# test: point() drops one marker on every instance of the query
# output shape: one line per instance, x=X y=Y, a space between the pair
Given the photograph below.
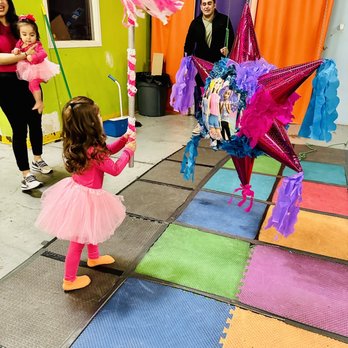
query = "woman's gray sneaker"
x=41 y=167
x=30 y=182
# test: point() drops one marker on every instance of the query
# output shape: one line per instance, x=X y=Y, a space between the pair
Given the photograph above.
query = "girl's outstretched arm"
x=119 y=144
x=115 y=167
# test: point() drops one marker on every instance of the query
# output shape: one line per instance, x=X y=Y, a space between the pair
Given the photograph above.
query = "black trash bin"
x=152 y=93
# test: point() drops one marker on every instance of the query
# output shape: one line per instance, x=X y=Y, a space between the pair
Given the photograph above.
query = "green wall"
x=86 y=69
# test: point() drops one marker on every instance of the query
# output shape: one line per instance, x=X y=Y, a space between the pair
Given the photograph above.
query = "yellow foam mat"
x=250 y=330
x=315 y=233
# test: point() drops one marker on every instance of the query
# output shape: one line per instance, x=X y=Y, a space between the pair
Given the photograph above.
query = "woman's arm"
x=10 y=58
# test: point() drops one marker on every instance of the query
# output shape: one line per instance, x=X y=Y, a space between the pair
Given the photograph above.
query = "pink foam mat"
x=298 y=287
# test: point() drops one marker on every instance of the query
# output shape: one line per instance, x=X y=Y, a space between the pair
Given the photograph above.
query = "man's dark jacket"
x=196 y=45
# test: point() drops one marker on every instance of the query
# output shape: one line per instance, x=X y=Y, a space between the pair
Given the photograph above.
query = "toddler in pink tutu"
x=77 y=208
x=36 y=68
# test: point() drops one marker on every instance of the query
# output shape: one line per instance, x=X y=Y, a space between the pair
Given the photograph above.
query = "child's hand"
x=29 y=57
x=132 y=145
x=130 y=135
x=31 y=50
x=16 y=51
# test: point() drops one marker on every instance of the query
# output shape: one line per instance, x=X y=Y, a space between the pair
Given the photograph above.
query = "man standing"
x=207 y=32
x=206 y=39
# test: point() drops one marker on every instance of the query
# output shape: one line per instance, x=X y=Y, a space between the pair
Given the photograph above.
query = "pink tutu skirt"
x=80 y=214
x=43 y=71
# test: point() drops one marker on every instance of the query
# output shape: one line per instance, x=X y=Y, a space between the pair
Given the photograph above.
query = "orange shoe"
x=79 y=283
x=101 y=260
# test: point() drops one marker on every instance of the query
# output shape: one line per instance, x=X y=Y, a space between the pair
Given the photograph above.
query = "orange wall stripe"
x=293 y=32
x=169 y=39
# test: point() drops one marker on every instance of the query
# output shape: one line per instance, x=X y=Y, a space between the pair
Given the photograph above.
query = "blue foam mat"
x=146 y=314
x=211 y=210
x=227 y=181
x=322 y=172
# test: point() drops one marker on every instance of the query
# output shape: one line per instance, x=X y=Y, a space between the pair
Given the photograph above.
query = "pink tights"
x=73 y=257
x=34 y=85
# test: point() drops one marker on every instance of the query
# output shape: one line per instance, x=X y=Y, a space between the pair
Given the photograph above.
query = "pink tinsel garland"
x=160 y=9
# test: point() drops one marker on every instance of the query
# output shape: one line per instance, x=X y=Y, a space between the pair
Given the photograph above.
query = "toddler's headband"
x=28 y=17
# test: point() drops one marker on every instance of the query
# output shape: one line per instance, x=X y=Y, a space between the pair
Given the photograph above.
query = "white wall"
x=336 y=48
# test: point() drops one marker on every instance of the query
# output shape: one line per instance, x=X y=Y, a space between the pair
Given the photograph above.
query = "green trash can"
x=152 y=92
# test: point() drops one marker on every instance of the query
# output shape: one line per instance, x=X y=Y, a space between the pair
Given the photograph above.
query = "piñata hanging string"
x=227 y=36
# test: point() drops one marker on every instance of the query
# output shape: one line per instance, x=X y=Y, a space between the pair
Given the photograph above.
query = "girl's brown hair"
x=83 y=134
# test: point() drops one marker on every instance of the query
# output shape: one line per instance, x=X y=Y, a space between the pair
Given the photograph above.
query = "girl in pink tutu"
x=36 y=68
x=77 y=208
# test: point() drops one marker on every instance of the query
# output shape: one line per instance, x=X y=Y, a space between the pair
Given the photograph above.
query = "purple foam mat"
x=298 y=287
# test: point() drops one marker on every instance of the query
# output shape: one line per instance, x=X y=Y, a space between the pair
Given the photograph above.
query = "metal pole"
x=131 y=99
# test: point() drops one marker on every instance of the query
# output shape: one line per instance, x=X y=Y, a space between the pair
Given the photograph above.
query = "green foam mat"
x=262 y=164
x=199 y=260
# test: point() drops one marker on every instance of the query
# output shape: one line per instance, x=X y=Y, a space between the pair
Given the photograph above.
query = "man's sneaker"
x=30 y=182
x=41 y=166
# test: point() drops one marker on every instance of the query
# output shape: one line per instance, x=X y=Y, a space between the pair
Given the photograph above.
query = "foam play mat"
x=323 y=198
x=262 y=164
x=246 y=329
x=316 y=233
x=211 y=211
x=198 y=260
x=194 y=269
x=146 y=314
x=227 y=181
x=321 y=172
x=298 y=287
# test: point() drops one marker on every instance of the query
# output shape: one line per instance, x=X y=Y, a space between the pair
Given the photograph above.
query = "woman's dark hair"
x=28 y=21
x=83 y=134
x=12 y=18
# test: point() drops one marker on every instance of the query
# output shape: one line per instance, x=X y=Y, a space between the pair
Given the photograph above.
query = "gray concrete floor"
x=158 y=138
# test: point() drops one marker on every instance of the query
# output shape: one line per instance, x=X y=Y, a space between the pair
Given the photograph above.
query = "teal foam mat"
x=322 y=172
x=227 y=181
